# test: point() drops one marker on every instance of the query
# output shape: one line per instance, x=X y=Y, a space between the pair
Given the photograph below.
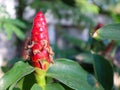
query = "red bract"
x=99 y=25
x=41 y=52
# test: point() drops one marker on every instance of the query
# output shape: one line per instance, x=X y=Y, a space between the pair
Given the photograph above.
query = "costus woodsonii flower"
x=40 y=52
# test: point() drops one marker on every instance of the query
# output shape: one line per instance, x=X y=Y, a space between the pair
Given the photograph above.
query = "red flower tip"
x=41 y=52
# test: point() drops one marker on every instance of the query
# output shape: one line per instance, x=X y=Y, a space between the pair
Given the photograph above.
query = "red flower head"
x=41 y=52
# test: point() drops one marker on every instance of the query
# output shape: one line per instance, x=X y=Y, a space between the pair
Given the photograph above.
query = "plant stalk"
x=40 y=77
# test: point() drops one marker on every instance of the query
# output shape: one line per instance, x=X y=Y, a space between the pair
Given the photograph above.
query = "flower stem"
x=40 y=77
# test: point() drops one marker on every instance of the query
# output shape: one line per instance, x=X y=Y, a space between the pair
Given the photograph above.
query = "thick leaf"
x=103 y=71
x=72 y=75
x=36 y=87
x=111 y=31
x=19 y=70
x=54 y=86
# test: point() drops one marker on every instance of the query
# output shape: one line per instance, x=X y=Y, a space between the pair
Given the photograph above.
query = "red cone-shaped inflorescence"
x=41 y=53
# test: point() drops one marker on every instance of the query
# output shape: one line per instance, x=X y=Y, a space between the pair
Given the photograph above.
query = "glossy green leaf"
x=103 y=71
x=111 y=31
x=72 y=75
x=36 y=87
x=54 y=86
x=19 y=70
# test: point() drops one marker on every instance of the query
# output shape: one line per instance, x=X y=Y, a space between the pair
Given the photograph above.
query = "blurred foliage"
x=64 y=9
x=10 y=26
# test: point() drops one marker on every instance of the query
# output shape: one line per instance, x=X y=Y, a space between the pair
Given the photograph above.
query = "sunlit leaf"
x=85 y=6
x=19 y=70
x=111 y=31
x=72 y=75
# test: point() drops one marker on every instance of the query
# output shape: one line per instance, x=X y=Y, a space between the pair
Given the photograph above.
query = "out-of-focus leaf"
x=8 y=31
x=86 y=6
x=116 y=17
x=111 y=31
x=79 y=43
x=16 y=22
x=19 y=70
x=54 y=86
x=36 y=87
x=72 y=75
x=70 y=2
x=18 y=33
x=103 y=71
x=85 y=57
x=1 y=26
x=11 y=26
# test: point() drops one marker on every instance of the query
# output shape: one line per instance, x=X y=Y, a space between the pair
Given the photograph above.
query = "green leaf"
x=15 y=89
x=20 y=83
x=17 y=22
x=18 y=32
x=111 y=31
x=54 y=86
x=19 y=70
x=8 y=31
x=28 y=82
x=36 y=87
x=1 y=26
x=72 y=75
x=85 y=6
x=85 y=57
x=103 y=71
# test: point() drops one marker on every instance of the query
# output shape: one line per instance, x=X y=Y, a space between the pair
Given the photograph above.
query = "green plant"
x=64 y=73
x=11 y=26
